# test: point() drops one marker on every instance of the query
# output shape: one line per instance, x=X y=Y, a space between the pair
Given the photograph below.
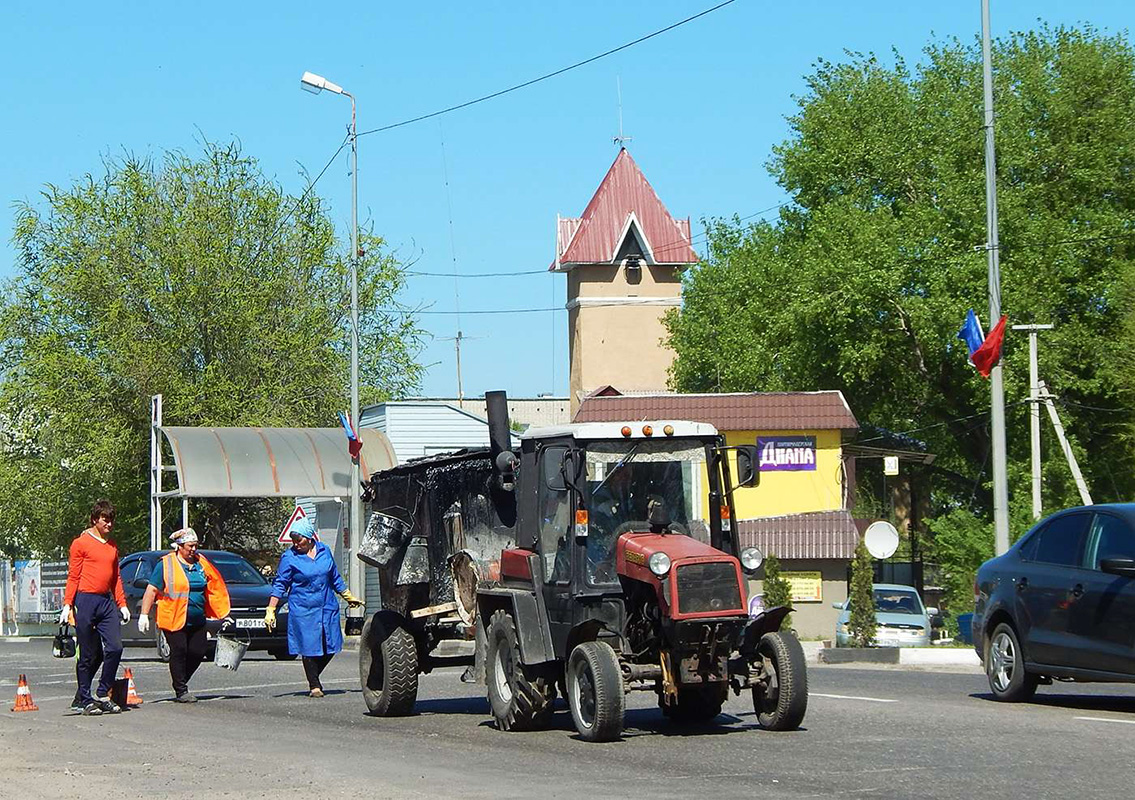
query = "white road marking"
x=1106 y=719
x=851 y=697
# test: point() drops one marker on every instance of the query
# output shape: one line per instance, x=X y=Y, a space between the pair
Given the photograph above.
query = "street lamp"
x=315 y=84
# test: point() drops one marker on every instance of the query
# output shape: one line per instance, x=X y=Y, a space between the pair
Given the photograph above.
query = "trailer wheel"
x=521 y=696
x=781 y=698
x=388 y=666
x=595 y=692
x=696 y=703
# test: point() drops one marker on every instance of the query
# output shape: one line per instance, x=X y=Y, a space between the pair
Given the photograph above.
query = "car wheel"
x=1005 y=667
x=283 y=655
x=163 y=645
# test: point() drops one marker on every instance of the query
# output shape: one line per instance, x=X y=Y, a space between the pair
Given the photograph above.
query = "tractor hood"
x=637 y=548
x=702 y=581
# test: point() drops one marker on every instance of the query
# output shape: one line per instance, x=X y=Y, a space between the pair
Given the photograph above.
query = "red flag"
x=987 y=356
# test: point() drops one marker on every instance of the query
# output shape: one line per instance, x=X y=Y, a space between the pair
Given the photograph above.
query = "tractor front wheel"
x=780 y=693
x=595 y=692
x=520 y=696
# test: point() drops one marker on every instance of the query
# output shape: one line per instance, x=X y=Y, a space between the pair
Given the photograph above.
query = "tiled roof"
x=818 y=534
x=594 y=237
x=752 y=411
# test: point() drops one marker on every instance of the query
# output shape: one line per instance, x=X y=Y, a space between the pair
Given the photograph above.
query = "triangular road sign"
x=286 y=534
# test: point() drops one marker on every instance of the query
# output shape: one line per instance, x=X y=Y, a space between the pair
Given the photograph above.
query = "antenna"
x=620 y=140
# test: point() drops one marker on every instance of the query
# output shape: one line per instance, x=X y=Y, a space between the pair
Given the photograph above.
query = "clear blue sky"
x=704 y=104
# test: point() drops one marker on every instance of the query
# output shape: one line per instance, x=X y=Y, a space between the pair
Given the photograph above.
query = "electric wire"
x=548 y=75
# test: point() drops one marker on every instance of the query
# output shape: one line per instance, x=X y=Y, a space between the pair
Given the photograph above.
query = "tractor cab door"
x=555 y=506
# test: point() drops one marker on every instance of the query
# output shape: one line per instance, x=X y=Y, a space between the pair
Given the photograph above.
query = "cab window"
x=554 y=506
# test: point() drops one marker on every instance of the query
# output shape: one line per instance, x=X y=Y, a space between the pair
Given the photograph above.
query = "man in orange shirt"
x=94 y=593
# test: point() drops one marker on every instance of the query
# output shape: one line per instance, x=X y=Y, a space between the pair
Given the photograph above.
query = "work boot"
x=185 y=697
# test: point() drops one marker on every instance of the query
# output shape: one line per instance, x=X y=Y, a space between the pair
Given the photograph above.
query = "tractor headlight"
x=659 y=564
x=751 y=559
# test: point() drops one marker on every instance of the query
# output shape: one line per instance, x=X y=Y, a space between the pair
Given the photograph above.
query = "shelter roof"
x=625 y=200
x=271 y=462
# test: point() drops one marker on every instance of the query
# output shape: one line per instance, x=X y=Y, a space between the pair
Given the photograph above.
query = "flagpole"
x=997 y=390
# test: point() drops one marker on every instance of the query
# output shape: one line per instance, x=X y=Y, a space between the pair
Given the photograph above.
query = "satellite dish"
x=882 y=539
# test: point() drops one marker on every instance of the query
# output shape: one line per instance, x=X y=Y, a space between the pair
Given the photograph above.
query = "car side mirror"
x=931 y=611
x=1124 y=567
x=747 y=472
x=838 y=605
x=140 y=583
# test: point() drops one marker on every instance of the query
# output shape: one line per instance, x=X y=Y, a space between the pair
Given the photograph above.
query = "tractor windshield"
x=623 y=477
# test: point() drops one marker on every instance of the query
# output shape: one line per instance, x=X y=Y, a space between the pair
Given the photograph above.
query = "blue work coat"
x=310 y=584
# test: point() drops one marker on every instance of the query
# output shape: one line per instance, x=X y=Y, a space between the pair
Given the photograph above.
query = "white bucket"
x=230 y=651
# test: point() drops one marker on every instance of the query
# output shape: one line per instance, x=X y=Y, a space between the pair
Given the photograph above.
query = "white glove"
x=143 y=623
x=125 y=612
x=65 y=615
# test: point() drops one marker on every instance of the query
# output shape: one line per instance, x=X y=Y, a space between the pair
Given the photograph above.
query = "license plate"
x=250 y=623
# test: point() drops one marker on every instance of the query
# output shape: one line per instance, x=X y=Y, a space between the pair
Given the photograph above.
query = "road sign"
x=286 y=533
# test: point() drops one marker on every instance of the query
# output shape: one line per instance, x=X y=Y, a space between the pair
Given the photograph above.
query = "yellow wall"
x=789 y=492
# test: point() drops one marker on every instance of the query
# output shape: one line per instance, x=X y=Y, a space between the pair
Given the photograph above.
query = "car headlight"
x=751 y=559
x=282 y=609
x=659 y=564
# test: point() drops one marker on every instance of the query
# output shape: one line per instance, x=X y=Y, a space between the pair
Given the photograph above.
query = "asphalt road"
x=883 y=732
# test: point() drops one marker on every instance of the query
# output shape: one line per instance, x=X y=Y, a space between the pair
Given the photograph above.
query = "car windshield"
x=623 y=477
x=235 y=570
x=897 y=601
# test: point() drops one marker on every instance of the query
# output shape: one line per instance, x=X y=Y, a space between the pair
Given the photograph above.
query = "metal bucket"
x=384 y=536
x=230 y=651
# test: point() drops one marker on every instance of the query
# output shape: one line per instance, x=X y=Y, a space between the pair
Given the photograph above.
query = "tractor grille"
x=708 y=587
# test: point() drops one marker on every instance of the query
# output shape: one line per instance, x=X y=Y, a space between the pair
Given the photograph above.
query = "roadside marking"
x=1106 y=719
x=851 y=697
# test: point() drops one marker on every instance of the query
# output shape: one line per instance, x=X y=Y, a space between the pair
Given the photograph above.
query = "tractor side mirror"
x=748 y=473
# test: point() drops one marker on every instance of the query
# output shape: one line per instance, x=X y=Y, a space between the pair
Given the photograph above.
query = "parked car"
x=248 y=594
x=902 y=620
x=1060 y=603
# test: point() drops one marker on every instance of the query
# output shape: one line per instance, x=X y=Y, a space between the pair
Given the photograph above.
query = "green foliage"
x=777 y=590
x=961 y=543
x=196 y=278
x=863 y=282
x=861 y=623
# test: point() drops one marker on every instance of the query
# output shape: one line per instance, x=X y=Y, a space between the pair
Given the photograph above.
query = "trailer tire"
x=781 y=702
x=595 y=692
x=521 y=697
x=696 y=703
x=388 y=666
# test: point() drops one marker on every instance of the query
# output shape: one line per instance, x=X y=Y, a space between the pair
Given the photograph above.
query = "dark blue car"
x=1060 y=603
x=248 y=594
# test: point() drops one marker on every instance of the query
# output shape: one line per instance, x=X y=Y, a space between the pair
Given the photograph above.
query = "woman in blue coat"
x=310 y=580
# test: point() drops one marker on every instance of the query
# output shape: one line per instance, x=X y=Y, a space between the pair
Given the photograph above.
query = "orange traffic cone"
x=132 y=696
x=24 y=700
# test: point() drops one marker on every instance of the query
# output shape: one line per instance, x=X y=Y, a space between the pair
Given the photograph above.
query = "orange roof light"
x=626 y=430
x=668 y=430
x=647 y=430
x=581 y=516
x=725 y=512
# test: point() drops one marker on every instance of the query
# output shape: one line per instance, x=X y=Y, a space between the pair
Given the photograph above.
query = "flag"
x=987 y=356
x=971 y=333
x=354 y=444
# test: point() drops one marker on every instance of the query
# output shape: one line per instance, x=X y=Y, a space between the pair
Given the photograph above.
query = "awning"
x=271 y=462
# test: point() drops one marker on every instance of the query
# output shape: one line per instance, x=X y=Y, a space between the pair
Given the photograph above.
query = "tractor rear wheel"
x=780 y=698
x=520 y=696
x=595 y=692
x=696 y=703
x=388 y=666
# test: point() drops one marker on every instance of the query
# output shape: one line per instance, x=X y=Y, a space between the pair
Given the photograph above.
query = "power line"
x=545 y=77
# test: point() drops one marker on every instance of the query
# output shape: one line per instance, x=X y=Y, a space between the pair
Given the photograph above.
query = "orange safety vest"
x=173 y=601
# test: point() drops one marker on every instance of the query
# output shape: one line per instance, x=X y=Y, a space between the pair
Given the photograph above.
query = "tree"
x=962 y=542
x=193 y=277
x=863 y=281
x=776 y=589
x=861 y=623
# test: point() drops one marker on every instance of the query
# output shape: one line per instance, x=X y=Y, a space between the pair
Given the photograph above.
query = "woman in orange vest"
x=188 y=589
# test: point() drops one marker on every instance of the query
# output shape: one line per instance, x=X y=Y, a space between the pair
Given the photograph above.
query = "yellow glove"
x=270 y=619
x=352 y=601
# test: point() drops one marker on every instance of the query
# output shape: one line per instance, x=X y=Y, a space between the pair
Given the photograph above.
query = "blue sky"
x=704 y=104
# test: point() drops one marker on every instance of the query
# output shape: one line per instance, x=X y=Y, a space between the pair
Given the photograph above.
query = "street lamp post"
x=315 y=84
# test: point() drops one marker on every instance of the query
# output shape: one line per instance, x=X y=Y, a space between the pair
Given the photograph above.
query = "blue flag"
x=971 y=333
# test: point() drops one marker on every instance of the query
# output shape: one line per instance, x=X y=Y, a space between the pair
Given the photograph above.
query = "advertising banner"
x=787 y=453
x=806 y=587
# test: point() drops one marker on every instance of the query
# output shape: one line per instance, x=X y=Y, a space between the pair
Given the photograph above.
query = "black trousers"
x=186 y=652
x=97 y=624
x=313 y=666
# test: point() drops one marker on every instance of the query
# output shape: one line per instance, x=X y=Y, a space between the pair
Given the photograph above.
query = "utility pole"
x=992 y=247
x=1073 y=465
x=1034 y=410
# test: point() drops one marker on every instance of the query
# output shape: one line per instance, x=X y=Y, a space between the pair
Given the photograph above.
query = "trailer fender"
x=527 y=612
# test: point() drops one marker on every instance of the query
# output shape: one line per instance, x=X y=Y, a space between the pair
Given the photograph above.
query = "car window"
x=235 y=570
x=897 y=601
x=1110 y=537
x=1060 y=540
x=128 y=570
